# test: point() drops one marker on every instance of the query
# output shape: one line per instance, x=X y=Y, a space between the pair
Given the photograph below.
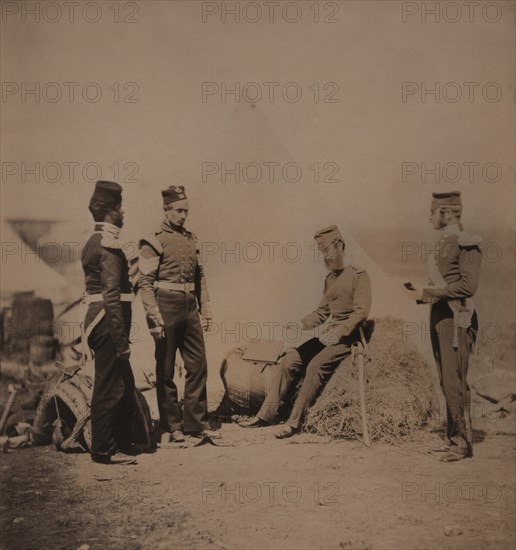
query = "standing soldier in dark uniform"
x=107 y=324
x=173 y=290
x=453 y=271
x=345 y=304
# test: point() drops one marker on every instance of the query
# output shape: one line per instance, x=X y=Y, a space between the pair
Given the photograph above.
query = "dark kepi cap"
x=328 y=235
x=107 y=192
x=451 y=198
x=173 y=193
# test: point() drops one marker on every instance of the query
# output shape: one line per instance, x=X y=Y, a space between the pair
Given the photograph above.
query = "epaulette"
x=153 y=241
x=466 y=240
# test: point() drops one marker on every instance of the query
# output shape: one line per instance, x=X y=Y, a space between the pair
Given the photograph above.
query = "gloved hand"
x=330 y=335
x=206 y=323
x=158 y=333
x=292 y=327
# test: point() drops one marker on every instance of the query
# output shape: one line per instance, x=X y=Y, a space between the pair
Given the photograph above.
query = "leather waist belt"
x=90 y=298
x=182 y=287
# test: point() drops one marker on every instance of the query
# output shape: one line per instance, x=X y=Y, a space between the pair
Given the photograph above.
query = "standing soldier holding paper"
x=174 y=293
x=453 y=271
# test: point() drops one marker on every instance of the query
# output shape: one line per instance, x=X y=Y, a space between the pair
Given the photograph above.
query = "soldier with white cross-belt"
x=106 y=328
x=175 y=296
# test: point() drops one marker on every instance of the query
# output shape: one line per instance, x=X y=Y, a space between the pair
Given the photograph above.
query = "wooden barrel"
x=17 y=343
x=42 y=317
x=245 y=381
x=31 y=321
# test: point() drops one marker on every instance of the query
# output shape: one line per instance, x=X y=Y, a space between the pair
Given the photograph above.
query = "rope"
x=69 y=442
x=63 y=373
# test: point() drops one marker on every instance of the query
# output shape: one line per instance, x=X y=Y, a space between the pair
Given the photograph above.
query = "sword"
x=361 y=350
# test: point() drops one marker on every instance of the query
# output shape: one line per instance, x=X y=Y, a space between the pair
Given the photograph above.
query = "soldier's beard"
x=332 y=264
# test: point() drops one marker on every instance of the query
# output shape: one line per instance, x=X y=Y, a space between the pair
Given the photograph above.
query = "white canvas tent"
x=22 y=270
x=257 y=238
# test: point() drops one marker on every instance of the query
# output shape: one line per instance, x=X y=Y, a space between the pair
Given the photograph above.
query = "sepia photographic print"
x=257 y=275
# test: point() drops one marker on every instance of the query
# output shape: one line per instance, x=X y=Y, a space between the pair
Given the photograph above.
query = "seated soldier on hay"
x=345 y=305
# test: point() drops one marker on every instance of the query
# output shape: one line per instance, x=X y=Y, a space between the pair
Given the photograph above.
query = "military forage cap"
x=328 y=235
x=173 y=193
x=452 y=198
x=107 y=192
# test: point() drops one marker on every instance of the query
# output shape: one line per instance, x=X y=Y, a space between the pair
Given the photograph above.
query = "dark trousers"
x=452 y=366
x=113 y=401
x=319 y=361
x=183 y=332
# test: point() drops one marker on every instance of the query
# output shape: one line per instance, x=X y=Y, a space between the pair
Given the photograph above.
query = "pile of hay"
x=399 y=391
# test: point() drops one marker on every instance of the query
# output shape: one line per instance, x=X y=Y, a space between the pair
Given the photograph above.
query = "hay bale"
x=399 y=391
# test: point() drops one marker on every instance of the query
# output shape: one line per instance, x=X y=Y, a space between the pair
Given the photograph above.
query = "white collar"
x=452 y=229
x=105 y=227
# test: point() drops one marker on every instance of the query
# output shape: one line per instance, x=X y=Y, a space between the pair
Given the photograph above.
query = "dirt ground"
x=252 y=491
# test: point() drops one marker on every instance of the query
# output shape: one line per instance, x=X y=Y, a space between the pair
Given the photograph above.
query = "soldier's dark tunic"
x=106 y=325
x=173 y=290
x=454 y=272
x=347 y=299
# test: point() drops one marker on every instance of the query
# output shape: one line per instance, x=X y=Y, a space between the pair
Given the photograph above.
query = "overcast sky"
x=168 y=132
